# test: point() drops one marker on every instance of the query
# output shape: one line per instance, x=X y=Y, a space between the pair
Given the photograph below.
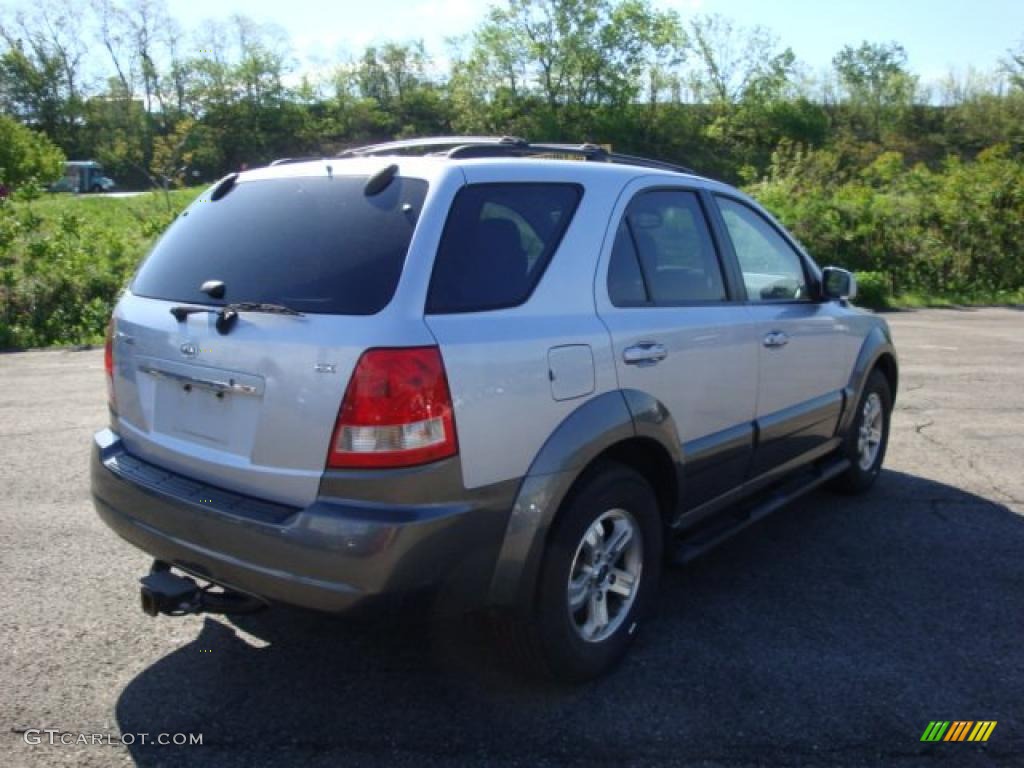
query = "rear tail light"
x=397 y=411
x=108 y=362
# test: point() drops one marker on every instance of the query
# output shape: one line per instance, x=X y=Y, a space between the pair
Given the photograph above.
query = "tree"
x=135 y=34
x=26 y=155
x=391 y=83
x=235 y=87
x=573 y=55
x=41 y=70
x=126 y=118
x=877 y=81
x=1013 y=66
x=736 y=64
x=742 y=80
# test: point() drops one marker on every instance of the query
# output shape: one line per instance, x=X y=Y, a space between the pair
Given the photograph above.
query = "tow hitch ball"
x=173 y=595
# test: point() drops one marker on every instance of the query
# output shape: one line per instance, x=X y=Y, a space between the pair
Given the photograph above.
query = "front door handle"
x=776 y=339
x=644 y=353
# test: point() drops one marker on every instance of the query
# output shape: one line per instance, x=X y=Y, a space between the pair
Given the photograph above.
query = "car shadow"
x=835 y=629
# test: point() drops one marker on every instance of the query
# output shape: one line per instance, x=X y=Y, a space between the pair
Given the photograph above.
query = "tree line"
x=121 y=81
x=917 y=186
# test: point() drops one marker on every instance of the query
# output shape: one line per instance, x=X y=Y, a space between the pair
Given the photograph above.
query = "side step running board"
x=727 y=524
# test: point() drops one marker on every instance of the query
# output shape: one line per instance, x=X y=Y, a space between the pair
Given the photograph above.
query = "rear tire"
x=868 y=437
x=597 y=580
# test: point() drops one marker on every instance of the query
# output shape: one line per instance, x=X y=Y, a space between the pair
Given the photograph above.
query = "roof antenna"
x=380 y=180
x=330 y=172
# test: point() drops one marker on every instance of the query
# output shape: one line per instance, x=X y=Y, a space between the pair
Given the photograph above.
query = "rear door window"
x=664 y=254
x=497 y=242
x=315 y=244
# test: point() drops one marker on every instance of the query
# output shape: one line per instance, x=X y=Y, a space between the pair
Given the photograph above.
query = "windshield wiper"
x=228 y=313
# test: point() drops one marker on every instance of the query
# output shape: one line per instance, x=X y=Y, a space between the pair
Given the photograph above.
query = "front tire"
x=868 y=437
x=599 y=575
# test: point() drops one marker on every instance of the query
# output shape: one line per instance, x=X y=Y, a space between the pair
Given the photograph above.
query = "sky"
x=939 y=35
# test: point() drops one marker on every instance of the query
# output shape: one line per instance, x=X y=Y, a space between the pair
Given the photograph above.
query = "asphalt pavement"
x=829 y=635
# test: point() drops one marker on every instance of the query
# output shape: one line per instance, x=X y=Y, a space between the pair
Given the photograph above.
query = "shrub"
x=63 y=260
x=26 y=155
x=958 y=230
x=874 y=290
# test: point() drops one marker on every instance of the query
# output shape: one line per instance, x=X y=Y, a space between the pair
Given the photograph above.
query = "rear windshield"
x=315 y=244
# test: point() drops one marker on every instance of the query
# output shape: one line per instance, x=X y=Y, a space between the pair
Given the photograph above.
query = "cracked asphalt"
x=828 y=635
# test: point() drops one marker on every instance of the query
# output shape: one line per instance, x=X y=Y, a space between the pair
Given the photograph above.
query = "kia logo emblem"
x=188 y=349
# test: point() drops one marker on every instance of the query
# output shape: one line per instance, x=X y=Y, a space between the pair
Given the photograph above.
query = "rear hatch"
x=253 y=409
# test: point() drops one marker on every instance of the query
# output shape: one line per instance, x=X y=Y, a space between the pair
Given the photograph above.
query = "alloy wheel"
x=605 y=575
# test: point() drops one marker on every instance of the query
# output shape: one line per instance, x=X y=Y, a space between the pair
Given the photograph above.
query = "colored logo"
x=958 y=730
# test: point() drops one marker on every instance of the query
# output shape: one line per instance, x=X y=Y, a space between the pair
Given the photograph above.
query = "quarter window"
x=497 y=242
x=772 y=269
x=626 y=286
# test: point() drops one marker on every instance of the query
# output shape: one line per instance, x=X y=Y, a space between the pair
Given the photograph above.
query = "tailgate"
x=252 y=411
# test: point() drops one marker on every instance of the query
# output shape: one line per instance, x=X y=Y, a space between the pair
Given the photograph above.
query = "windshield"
x=314 y=244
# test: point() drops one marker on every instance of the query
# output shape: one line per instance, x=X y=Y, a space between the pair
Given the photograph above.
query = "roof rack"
x=507 y=146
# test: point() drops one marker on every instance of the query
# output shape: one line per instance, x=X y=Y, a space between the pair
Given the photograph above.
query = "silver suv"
x=480 y=370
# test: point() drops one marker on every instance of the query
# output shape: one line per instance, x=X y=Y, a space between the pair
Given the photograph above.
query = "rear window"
x=317 y=245
x=497 y=243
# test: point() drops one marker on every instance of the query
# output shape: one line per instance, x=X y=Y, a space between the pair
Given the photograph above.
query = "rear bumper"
x=332 y=556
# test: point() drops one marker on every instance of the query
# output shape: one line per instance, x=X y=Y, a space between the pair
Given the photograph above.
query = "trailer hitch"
x=173 y=595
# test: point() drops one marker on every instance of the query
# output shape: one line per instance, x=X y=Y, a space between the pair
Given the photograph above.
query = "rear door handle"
x=776 y=339
x=644 y=353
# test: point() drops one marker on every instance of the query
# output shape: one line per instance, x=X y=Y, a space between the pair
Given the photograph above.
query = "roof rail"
x=508 y=146
x=289 y=160
x=433 y=142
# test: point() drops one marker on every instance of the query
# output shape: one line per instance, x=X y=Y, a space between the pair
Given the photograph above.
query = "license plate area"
x=212 y=407
x=195 y=412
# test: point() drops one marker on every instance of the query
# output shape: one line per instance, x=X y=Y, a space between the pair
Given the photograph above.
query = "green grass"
x=103 y=211
x=913 y=300
x=874 y=291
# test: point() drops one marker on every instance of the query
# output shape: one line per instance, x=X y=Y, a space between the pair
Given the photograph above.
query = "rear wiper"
x=228 y=313
x=180 y=313
x=259 y=306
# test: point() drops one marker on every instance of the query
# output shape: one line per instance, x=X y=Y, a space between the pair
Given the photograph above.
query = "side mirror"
x=838 y=284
